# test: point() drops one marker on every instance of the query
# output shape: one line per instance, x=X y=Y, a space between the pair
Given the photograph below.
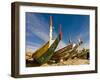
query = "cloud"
x=37 y=26
x=31 y=46
x=41 y=34
x=83 y=35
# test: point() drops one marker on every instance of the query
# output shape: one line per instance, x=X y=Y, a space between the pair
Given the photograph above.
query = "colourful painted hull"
x=49 y=53
x=41 y=51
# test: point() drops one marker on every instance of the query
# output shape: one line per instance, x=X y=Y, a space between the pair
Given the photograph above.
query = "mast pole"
x=50 y=34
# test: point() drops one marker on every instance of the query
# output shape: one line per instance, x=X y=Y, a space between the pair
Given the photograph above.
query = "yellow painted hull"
x=41 y=51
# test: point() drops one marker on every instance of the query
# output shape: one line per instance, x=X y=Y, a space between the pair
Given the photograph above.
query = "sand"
x=69 y=62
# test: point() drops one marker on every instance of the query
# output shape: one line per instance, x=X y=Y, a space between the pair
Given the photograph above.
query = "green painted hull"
x=49 y=53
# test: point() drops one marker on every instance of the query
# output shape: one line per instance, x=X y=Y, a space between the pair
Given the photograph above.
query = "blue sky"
x=37 y=28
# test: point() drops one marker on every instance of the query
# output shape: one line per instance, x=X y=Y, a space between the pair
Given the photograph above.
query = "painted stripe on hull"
x=48 y=54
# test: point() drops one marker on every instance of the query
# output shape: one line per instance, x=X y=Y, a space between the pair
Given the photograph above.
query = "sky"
x=73 y=26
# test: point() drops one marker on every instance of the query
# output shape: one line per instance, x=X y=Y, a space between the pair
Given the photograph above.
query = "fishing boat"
x=66 y=52
x=44 y=54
